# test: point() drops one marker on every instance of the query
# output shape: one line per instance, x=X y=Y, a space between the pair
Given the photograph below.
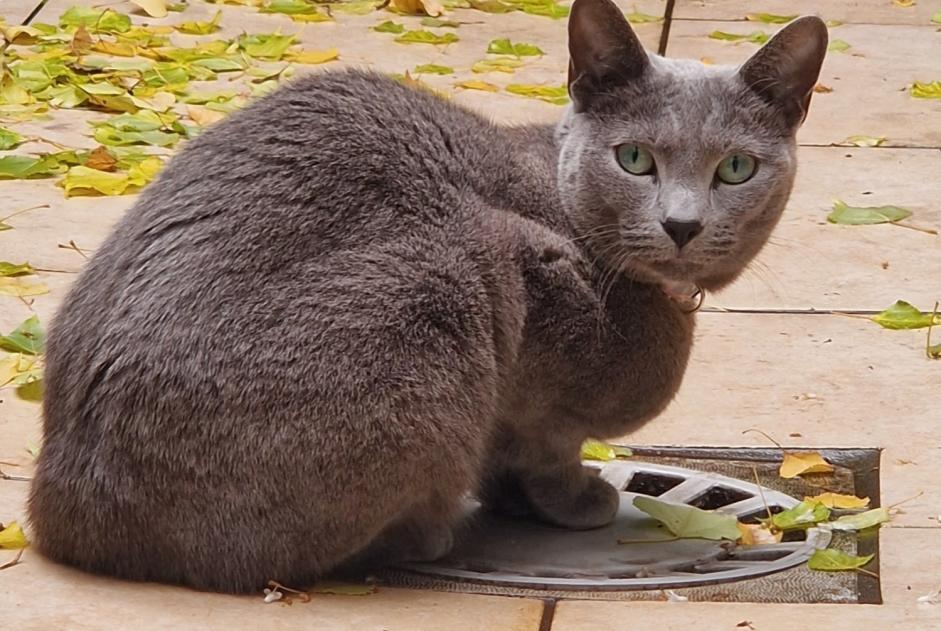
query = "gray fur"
x=346 y=306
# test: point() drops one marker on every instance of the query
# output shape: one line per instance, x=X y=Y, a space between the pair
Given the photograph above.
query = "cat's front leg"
x=549 y=483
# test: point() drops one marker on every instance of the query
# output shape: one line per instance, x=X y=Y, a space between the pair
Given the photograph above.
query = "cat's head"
x=673 y=171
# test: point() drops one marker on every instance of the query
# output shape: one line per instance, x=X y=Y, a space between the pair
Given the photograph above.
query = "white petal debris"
x=271 y=595
x=673 y=597
x=932 y=598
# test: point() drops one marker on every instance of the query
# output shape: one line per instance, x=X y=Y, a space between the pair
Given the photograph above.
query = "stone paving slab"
x=38 y=595
x=908 y=560
x=837 y=381
x=811 y=264
x=850 y=11
x=870 y=80
x=16 y=11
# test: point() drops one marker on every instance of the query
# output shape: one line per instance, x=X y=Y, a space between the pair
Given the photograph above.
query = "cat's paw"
x=595 y=506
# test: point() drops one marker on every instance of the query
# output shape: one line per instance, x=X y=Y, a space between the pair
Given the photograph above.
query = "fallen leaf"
x=689 y=522
x=503 y=64
x=15 y=269
x=491 y=6
x=861 y=521
x=82 y=180
x=20 y=35
x=360 y=7
x=101 y=159
x=21 y=288
x=865 y=141
x=545 y=8
x=439 y=23
x=344 y=589
x=838 y=500
x=831 y=560
x=202 y=28
x=770 y=18
x=312 y=17
x=519 y=49
x=755 y=37
x=868 y=215
x=636 y=17
x=475 y=84
x=758 y=534
x=433 y=69
x=27 y=338
x=936 y=18
x=557 y=95
x=799 y=463
x=834 y=23
x=930 y=90
x=12 y=537
x=153 y=8
x=799 y=517
x=204 y=116
x=95 y=20
x=417 y=7
x=10 y=139
x=426 y=37
x=389 y=27
x=312 y=57
x=270 y=47
x=822 y=89
x=904 y=3
x=596 y=450
x=289 y=7
x=903 y=315
x=838 y=46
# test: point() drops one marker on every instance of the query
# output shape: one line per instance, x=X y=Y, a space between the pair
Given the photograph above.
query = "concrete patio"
x=780 y=351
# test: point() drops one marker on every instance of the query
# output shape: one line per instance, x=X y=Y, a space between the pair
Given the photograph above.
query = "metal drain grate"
x=500 y=556
x=502 y=551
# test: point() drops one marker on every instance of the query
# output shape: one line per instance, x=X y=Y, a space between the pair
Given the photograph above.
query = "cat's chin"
x=680 y=275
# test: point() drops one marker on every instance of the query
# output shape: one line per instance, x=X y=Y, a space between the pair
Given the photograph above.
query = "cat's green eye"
x=635 y=159
x=736 y=168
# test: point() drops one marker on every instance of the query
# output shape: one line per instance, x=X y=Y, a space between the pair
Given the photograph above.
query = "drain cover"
x=521 y=554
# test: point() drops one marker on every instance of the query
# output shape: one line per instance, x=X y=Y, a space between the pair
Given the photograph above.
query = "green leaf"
x=545 y=9
x=95 y=20
x=519 y=49
x=831 y=560
x=439 y=23
x=557 y=95
x=426 y=37
x=861 y=521
x=271 y=47
x=642 y=18
x=689 y=522
x=26 y=167
x=288 y=7
x=838 y=46
x=27 y=338
x=10 y=139
x=930 y=90
x=804 y=515
x=596 y=450
x=866 y=215
x=343 y=589
x=200 y=28
x=389 y=27
x=903 y=315
x=770 y=18
x=502 y=64
x=15 y=269
x=755 y=37
x=865 y=141
x=357 y=7
x=433 y=69
x=491 y=6
x=936 y=18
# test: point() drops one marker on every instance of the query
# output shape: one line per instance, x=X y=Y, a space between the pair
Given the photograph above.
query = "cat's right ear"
x=604 y=53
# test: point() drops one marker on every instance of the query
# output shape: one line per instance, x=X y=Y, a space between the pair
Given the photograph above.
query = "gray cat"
x=345 y=307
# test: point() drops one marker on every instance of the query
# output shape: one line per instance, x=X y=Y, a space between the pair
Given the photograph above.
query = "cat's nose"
x=682 y=232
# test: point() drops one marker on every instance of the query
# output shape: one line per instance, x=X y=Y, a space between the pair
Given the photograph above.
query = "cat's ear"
x=785 y=70
x=604 y=53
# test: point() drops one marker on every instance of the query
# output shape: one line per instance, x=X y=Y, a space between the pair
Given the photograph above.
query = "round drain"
x=520 y=554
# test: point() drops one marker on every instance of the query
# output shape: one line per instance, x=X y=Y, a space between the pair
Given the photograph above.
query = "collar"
x=688 y=296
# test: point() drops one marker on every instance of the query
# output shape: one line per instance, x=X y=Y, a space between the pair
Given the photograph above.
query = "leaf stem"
x=758 y=431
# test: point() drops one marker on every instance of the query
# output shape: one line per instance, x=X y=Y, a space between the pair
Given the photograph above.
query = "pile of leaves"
x=21 y=363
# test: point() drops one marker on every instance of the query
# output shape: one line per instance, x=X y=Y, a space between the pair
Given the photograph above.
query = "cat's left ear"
x=604 y=53
x=785 y=70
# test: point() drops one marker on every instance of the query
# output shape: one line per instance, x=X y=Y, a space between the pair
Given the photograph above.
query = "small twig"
x=72 y=246
x=20 y=212
x=54 y=271
x=758 y=431
x=304 y=596
x=14 y=561
x=761 y=492
x=913 y=227
x=913 y=497
x=13 y=478
x=867 y=572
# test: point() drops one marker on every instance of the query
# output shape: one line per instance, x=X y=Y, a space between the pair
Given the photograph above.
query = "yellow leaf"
x=153 y=8
x=474 y=84
x=904 y=3
x=758 y=534
x=9 y=368
x=822 y=89
x=204 y=116
x=118 y=49
x=312 y=56
x=12 y=537
x=795 y=464
x=311 y=17
x=838 y=500
x=707 y=61
x=14 y=286
x=417 y=7
x=81 y=180
x=21 y=35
